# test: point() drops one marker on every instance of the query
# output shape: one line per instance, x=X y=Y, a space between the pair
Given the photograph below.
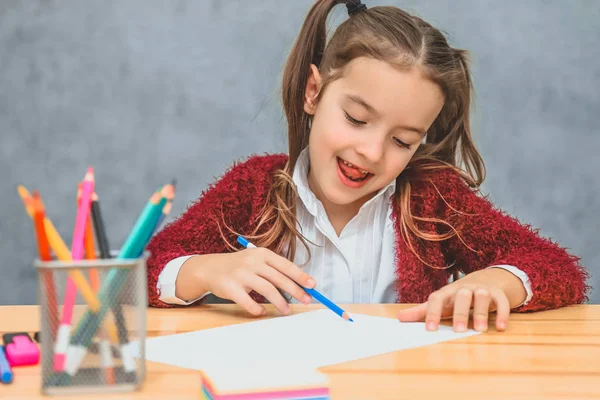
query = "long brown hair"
x=392 y=35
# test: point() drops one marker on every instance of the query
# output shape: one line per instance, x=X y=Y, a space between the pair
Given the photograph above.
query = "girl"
x=375 y=201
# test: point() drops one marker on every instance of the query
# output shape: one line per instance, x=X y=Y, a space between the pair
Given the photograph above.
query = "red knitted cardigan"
x=494 y=237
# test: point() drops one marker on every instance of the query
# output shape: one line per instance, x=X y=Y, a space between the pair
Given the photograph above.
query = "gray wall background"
x=145 y=91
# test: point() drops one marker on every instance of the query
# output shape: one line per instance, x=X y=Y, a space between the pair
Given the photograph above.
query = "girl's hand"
x=483 y=291
x=233 y=275
x=456 y=301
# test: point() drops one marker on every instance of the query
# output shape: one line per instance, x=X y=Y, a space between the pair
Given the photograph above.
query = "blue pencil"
x=6 y=374
x=313 y=292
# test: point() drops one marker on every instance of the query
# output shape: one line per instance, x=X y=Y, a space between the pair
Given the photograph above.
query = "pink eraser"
x=22 y=351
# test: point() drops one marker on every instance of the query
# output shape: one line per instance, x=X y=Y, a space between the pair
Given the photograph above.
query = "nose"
x=371 y=147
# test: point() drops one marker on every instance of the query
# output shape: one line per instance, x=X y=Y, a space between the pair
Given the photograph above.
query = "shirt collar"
x=312 y=204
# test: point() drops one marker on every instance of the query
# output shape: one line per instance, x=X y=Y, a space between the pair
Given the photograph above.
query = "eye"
x=402 y=144
x=353 y=121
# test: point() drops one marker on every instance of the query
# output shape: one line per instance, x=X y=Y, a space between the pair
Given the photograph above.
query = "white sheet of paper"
x=302 y=341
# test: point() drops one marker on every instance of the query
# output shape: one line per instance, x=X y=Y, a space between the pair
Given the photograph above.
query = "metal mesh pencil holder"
x=92 y=325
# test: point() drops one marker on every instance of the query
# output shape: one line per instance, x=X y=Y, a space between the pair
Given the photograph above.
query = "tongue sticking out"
x=350 y=172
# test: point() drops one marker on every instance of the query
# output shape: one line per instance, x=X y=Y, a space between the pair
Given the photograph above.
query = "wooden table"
x=552 y=354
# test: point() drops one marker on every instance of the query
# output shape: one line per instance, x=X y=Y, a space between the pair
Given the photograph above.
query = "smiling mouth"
x=352 y=172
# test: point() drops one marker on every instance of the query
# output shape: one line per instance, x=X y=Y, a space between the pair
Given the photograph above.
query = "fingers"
x=481 y=308
x=462 y=308
x=239 y=296
x=458 y=303
x=288 y=268
x=284 y=283
x=413 y=314
x=258 y=269
x=437 y=307
x=481 y=299
x=502 y=308
x=265 y=288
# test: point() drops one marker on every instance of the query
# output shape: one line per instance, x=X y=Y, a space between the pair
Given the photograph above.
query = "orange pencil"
x=44 y=255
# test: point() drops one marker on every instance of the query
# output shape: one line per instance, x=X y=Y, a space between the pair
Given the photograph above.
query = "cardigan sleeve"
x=229 y=202
x=495 y=238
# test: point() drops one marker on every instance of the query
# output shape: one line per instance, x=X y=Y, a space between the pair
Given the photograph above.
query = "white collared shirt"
x=358 y=266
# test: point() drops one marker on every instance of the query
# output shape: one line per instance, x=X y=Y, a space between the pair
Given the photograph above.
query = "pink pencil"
x=77 y=252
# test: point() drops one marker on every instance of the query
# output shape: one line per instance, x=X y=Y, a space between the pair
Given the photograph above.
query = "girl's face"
x=366 y=127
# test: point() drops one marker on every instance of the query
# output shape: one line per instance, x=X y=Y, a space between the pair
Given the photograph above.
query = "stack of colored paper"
x=252 y=383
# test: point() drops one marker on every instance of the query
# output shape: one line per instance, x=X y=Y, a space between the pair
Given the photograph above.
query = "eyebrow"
x=358 y=100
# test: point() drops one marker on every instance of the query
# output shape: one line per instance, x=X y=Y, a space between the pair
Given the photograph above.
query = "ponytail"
x=308 y=49
x=276 y=223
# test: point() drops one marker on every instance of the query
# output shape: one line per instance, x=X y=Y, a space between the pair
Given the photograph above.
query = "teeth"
x=352 y=166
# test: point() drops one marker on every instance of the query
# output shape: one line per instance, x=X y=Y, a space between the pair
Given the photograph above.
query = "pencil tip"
x=89 y=175
x=168 y=191
x=23 y=192
x=174 y=182
x=347 y=317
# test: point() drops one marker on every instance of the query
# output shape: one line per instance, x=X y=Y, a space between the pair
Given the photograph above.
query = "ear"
x=313 y=85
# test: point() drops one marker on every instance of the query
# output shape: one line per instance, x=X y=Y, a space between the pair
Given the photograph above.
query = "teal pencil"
x=111 y=288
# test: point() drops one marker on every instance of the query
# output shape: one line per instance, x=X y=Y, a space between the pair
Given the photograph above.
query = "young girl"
x=375 y=202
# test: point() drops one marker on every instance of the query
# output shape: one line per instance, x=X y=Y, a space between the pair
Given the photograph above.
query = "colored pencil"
x=83 y=213
x=111 y=288
x=44 y=255
x=90 y=254
x=313 y=292
x=90 y=248
x=63 y=254
x=99 y=228
x=6 y=374
x=58 y=246
x=77 y=249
